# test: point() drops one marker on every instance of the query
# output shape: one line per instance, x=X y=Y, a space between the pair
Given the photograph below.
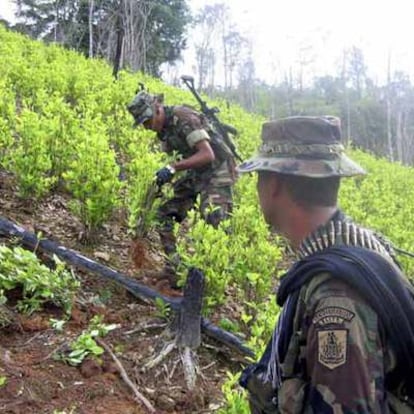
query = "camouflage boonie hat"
x=141 y=107
x=303 y=145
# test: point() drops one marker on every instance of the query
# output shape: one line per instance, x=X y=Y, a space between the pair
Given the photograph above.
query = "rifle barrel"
x=224 y=129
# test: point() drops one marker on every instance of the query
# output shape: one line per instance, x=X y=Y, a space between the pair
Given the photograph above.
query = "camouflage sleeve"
x=343 y=355
x=196 y=136
x=191 y=126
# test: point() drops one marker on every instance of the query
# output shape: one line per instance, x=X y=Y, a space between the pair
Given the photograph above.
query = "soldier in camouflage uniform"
x=210 y=167
x=336 y=347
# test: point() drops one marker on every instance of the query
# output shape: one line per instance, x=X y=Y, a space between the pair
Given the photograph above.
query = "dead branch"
x=146 y=327
x=28 y=239
x=166 y=350
x=125 y=377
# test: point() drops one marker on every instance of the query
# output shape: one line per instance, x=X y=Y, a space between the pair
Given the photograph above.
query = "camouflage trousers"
x=216 y=201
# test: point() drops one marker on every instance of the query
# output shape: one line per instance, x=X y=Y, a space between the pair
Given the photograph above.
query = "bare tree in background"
x=357 y=70
x=136 y=16
x=400 y=96
x=220 y=48
x=90 y=22
x=388 y=98
x=233 y=44
x=305 y=58
x=139 y=34
x=206 y=27
x=223 y=26
x=121 y=35
x=247 y=75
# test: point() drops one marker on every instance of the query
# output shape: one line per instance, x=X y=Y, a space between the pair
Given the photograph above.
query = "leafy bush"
x=21 y=269
x=85 y=344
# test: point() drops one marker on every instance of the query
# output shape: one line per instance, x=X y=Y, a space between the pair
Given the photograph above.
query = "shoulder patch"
x=332 y=315
x=332 y=347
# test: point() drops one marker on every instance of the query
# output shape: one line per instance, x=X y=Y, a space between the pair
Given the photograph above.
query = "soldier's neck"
x=306 y=222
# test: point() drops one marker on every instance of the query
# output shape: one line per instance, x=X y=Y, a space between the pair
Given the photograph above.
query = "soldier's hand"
x=164 y=175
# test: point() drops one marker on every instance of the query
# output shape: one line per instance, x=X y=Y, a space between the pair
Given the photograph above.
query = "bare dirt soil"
x=38 y=383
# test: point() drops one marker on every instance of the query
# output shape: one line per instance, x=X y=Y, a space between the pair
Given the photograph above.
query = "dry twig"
x=145 y=327
x=162 y=355
x=125 y=377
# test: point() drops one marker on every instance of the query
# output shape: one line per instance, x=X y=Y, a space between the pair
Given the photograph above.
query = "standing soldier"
x=344 y=340
x=208 y=162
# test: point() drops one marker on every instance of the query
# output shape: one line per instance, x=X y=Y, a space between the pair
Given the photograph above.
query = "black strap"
x=379 y=282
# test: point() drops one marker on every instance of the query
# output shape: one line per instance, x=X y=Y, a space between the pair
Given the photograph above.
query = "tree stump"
x=189 y=316
x=189 y=326
x=186 y=328
x=49 y=247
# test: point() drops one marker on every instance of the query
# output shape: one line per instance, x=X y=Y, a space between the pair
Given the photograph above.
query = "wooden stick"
x=166 y=350
x=125 y=377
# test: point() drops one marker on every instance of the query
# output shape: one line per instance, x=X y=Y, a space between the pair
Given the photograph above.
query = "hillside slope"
x=66 y=142
x=37 y=383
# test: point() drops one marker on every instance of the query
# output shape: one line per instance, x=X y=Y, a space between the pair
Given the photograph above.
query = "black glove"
x=164 y=175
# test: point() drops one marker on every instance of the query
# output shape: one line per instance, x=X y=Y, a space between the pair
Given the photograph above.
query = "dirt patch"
x=36 y=382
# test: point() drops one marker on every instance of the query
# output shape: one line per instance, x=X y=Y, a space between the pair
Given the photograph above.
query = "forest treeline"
x=151 y=35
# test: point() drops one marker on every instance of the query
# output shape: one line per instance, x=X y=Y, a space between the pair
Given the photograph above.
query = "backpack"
x=221 y=149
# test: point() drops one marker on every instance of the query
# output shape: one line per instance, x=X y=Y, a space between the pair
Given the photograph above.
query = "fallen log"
x=30 y=240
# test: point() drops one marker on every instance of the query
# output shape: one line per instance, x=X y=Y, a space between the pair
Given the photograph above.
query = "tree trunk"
x=90 y=17
x=399 y=137
x=389 y=127
x=119 y=43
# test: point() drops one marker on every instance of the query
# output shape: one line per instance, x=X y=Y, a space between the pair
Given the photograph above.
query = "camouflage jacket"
x=184 y=128
x=337 y=357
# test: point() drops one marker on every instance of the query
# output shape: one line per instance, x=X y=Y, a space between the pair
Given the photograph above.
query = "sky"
x=281 y=30
x=6 y=10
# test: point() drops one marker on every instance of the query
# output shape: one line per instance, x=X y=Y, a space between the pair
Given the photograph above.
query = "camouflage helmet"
x=303 y=145
x=141 y=107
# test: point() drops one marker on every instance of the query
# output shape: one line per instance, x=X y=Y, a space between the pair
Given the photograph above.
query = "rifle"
x=223 y=129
